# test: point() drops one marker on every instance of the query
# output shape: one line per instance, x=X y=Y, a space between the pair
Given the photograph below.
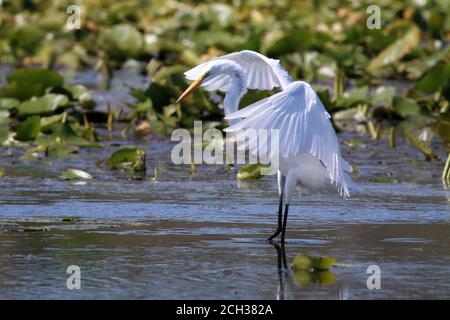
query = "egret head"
x=224 y=70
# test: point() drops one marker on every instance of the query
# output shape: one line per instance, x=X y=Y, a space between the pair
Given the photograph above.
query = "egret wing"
x=303 y=126
x=262 y=73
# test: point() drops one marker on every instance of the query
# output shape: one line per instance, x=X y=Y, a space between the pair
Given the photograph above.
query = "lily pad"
x=29 y=82
x=306 y=262
x=29 y=129
x=2 y=172
x=8 y=103
x=60 y=150
x=250 y=171
x=61 y=133
x=396 y=51
x=123 y=40
x=43 y=105
x=127 y=158
x=75 y=174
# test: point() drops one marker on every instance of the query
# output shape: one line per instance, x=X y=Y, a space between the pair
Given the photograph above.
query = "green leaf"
x=29 y=82
x=75 y=174
x=435 y=79
x=127 y=158
x=61 y=133
x=8 y=103
x=306 y=262
x=2 y=172
x=406 y=107
x=161 y=95
x=250 y=171
x=43 y=105
x=60 y=150
x=122 y=40
x=29 y=129
x=395 y=52
x=354 y=97
x=79 y=92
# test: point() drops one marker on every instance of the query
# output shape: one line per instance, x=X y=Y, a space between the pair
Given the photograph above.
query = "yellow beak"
x=192 y=87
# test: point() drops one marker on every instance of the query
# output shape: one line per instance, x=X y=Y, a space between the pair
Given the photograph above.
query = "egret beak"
x=192 y=87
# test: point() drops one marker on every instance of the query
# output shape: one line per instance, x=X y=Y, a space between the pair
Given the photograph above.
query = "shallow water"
x=202 y=235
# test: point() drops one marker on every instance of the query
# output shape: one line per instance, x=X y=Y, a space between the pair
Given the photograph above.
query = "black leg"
x=280 y=214
x=283 y=232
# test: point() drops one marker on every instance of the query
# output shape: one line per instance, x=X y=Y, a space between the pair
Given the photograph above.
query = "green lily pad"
x=60 y=150
x=127 y=158
x=8 y=103
x=396 y=51
x=250 y=171
x=29 y=129
x=75 y=174
x=61 y=133
x=306 y=262
x=435 y=79
x=406 y=107
x=122 y=40
x=46 y=122
x=42 y=105
x=79 y=92
x=2 y=172
x=29 y=82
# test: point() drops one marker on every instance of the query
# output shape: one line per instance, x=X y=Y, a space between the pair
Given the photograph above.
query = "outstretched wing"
x=303 y=126
x=262 y=73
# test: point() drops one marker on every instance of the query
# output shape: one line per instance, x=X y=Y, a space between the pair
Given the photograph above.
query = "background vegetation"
x=383 y=82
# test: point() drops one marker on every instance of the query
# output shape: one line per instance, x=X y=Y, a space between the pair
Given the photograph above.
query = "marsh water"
x=201 y=235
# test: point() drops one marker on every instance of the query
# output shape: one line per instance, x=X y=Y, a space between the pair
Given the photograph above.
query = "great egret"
x=234 y=73
x=308 y=149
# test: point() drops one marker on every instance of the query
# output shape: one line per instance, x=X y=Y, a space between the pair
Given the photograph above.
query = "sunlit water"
x=202 y=235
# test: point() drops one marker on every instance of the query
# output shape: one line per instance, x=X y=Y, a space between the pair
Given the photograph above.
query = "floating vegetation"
x=75 y=174
x=308 y=269
x=305 y=262
x=249 y=171
x=130 y=159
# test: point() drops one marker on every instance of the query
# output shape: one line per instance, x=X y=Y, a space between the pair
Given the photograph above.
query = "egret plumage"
x=308 y=148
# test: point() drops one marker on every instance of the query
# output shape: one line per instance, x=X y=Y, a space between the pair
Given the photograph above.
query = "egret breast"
x=309 y=172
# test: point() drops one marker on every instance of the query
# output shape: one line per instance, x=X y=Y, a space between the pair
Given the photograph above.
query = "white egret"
x=308 y=149
x=234 y=73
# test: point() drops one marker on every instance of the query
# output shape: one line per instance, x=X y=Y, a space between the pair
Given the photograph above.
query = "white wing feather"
x=304 y=127
x=262 y=73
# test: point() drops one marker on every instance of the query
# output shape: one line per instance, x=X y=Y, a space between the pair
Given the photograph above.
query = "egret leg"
x=286 y=209
x=280 y=214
